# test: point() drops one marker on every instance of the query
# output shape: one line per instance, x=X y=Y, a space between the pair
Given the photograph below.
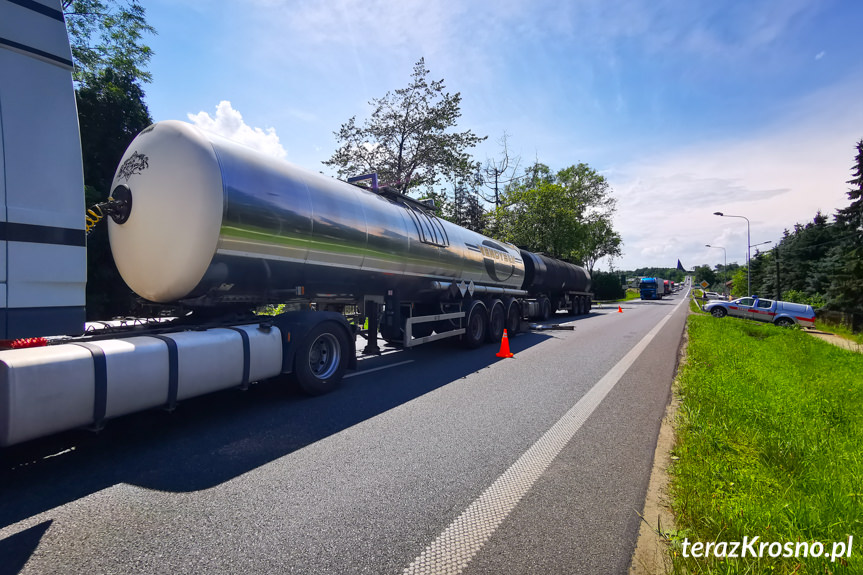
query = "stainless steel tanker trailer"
x=208 y=224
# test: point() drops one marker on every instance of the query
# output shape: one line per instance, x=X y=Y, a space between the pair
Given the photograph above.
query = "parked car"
x=779 y=312
x=713 y=295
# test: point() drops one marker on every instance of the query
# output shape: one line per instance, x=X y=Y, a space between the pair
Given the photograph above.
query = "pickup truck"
x=779 y=312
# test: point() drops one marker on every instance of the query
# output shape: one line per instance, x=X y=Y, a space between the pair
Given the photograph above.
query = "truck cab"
x=651 y=288
x=43 y=260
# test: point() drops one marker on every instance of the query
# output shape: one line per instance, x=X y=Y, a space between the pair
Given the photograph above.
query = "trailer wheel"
x=496 y=321
x=513 y=318
x=544 y=308
x=580 y=304
x=588 y=304
x=321 y=359
x=476 y=326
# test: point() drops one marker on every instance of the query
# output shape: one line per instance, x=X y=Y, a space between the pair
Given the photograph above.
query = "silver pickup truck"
x=778 y=312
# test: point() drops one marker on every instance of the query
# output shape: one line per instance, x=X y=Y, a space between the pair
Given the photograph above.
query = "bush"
x=816 y=300
x=607 y=286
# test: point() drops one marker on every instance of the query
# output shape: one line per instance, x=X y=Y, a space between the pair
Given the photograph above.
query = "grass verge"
x=770 y=445
x=841 y=330
x=631 y=294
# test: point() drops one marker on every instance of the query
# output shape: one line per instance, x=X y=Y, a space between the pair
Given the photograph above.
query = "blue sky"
x=687 y=107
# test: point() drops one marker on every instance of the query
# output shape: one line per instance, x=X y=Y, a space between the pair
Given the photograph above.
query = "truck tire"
x=582 y=305
x=544 y=308
x=784 y=322
x=476 y=326
x=321 y=359
x=496 y=321
x=513 y=318
x=718 y=312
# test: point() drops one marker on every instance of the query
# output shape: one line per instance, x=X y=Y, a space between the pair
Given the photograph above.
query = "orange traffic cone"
x=504 y=347
x=619 y=309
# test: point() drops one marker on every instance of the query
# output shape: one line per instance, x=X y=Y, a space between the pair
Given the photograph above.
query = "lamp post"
x=748 y=241
x=724 y=269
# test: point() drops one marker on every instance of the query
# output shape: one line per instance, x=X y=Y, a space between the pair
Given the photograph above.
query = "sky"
x=687 y=107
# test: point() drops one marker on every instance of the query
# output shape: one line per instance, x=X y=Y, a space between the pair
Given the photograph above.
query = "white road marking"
x=458 y=544
x=365 y=371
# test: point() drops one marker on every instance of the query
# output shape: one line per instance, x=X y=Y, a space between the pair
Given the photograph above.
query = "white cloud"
x=820 y=55
x=229 y=123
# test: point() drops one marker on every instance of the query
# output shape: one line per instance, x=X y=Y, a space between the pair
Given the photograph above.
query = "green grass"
x=694 y=305
x=631 y=294
x=770 y=444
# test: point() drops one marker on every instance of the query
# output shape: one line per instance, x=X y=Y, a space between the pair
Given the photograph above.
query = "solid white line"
x=365 y=371
x=458 y=544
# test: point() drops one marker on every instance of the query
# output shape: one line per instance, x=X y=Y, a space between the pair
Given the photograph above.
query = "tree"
x=500 y=173
x=607 y=285
x=108 y=34
x=597 y=241
x=704 y=273
x=565 y=214
x=408 y=140
x=738 y=289
x=541 y=219
x=846 y=290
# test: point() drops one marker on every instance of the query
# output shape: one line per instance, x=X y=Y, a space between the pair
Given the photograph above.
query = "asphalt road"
x=443 y=460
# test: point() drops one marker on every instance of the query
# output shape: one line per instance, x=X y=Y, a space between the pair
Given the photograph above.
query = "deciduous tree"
x=108 y=34
x=565 y=214
x=409 y=140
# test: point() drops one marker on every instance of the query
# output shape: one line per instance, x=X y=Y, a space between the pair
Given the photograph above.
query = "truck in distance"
x=652 y=288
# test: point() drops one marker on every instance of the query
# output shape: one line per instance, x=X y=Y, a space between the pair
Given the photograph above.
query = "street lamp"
x=724 y=269
x=748 y=241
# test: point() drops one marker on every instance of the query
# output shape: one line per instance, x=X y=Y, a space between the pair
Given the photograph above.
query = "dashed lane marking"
x=365 y=371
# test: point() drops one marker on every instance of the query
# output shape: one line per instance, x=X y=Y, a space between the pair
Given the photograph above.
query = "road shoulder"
x=651 y=555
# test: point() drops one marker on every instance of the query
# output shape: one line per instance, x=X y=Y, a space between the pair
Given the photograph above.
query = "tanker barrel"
x=214 y=222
